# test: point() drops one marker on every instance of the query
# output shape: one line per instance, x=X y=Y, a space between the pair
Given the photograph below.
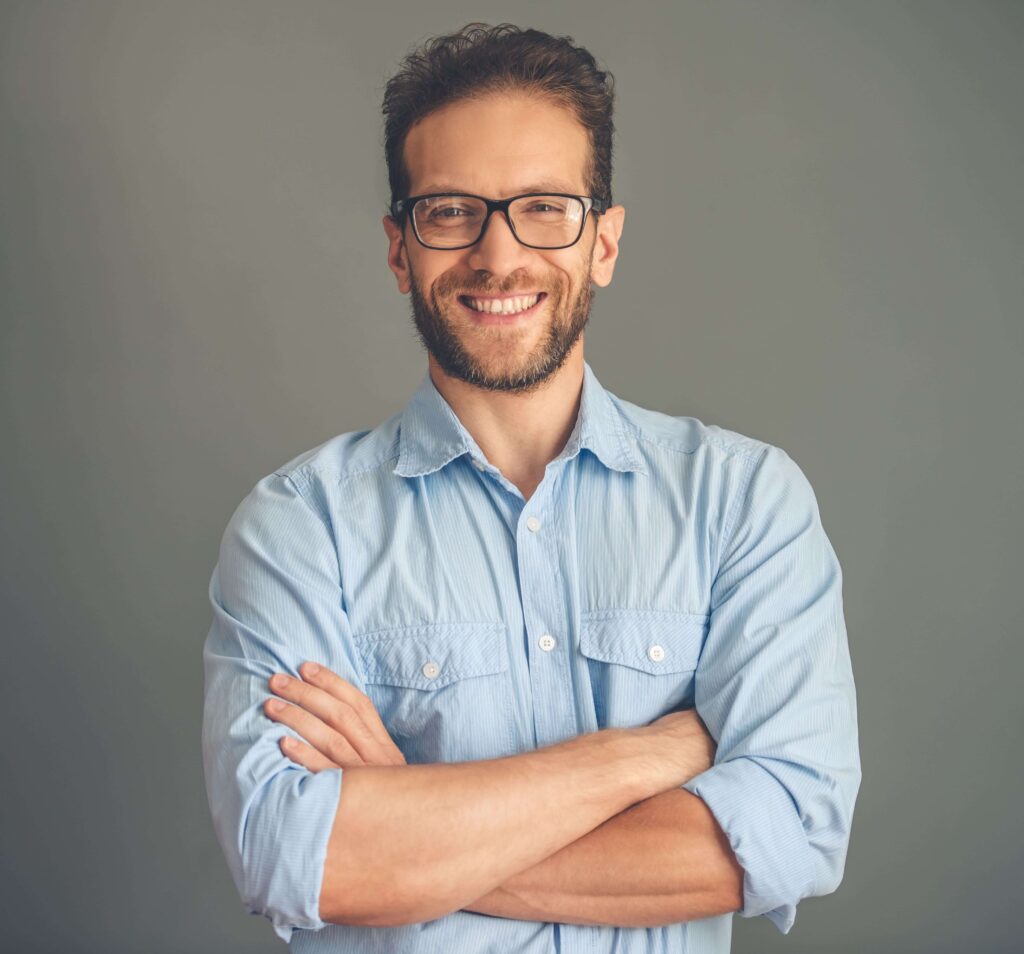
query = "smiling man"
x=527 y=667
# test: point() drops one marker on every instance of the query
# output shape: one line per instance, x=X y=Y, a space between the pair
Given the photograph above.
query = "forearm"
x=412 y=843
x=662 y=861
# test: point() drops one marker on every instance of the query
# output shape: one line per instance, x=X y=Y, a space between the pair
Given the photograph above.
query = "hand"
x=692 y=742
x=340 y=722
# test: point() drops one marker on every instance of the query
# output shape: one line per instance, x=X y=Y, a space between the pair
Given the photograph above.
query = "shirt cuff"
x=291 y=831
x=764 y=830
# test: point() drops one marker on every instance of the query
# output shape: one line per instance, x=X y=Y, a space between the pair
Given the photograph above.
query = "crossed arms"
x=520 y=836
x=591 y=831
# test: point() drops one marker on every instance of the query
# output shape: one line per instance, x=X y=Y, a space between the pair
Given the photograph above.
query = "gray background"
x=823 y=249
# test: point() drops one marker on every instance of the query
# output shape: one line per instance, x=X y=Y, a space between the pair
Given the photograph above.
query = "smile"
x=512 y=305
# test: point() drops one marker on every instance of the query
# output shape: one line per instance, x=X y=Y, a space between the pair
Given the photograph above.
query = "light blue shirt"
x=661 y=564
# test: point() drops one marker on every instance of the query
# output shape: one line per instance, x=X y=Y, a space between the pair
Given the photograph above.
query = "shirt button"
x=546 y=642
x=431 y=669
x=656 y=653
x=532 y=524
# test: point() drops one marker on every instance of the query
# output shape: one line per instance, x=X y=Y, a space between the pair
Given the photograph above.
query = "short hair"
x=480 y=59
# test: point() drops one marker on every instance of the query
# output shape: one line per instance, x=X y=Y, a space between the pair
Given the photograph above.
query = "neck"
x=519 y=433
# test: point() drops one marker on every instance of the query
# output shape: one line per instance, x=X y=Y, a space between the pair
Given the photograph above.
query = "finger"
x=342 y=689
x=331 y=682
x=322 y=737
x=334 y=712
x=305 y=754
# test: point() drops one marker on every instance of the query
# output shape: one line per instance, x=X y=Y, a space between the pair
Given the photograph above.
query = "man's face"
x=499 y=146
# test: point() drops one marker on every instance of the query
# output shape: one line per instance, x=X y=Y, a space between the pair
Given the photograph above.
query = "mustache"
x=519 y=287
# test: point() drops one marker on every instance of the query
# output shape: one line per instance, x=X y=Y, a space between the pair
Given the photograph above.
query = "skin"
x=661 y=860
x=517 y=390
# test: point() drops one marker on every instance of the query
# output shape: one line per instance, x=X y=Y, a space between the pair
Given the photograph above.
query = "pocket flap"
x=653 y=641
x=434 y=655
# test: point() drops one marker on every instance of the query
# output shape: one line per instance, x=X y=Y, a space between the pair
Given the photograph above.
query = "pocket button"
x=430 y=669
x=656 y=653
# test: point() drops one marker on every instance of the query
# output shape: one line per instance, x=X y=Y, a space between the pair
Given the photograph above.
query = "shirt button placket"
x=544 y=612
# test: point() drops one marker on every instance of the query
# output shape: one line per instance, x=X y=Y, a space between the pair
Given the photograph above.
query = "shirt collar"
x=431 y=434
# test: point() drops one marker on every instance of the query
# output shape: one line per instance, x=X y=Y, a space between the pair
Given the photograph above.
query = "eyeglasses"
x=453 y=220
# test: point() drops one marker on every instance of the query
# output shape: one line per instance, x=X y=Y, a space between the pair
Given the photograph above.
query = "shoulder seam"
x=308 y=470
x=733 y=448
x=302 y=490
x=741 y=495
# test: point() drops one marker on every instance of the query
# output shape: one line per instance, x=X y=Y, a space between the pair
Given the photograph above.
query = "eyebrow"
x=545 y=185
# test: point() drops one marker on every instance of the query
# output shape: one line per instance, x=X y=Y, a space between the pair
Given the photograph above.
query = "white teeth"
x=503 y=306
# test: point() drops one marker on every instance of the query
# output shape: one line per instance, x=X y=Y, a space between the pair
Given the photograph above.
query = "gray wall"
x=823 y=249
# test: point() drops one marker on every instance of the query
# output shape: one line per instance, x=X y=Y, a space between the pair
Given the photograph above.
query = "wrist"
x=649 y=762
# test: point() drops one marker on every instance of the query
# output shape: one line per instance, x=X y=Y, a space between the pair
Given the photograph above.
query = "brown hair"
x=480 y=59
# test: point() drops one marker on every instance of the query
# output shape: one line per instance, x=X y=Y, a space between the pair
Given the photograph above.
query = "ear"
x=606 y=244
x=398 y=260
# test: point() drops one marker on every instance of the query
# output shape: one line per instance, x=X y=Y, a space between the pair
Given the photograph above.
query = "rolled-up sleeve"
x=774 y=686
x=277 y=602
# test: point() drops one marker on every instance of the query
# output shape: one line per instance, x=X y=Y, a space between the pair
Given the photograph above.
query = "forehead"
x=498 y=145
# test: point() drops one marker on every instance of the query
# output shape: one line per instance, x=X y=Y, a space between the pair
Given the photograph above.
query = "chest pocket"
x=443 y=691
x=642 y=663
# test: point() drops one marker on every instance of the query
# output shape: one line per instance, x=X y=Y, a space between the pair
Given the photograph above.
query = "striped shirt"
x=661 y=564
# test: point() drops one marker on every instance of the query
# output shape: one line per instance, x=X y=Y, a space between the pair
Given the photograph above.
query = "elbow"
x=356 y=890
x=371 y=899
x=365 y=886
x=827 y=850
x=347 y=901
x=829 y=840
x=284 y=918
x=829 y=867
x=359 y=889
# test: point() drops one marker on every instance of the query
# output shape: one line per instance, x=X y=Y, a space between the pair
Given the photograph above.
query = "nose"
x=498 y=251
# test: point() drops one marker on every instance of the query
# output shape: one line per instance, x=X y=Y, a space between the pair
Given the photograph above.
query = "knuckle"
x=355 y=722
x=364 y=705
x=342 y=711
x=343 y=717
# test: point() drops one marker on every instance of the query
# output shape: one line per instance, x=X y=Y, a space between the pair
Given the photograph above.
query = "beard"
x=439 y=336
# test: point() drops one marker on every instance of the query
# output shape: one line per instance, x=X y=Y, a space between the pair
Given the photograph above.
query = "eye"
x=545 y=207
x=443 y=213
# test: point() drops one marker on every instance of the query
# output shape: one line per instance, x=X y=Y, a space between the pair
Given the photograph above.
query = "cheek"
x=561 y=282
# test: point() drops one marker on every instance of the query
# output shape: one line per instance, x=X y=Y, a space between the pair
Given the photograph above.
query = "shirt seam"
x=254 y=732
x=732 y=449
x=741 y=495
x=306 y=471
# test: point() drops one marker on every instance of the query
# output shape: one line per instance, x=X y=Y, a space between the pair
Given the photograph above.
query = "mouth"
x=504 y=310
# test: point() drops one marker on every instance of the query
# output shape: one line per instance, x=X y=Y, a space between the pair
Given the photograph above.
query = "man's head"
x=497 y=112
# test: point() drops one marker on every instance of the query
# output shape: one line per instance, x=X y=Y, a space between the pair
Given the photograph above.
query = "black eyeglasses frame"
x=401 y=208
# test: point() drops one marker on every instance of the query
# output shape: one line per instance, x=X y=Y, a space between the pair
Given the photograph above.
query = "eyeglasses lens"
x=547 y=221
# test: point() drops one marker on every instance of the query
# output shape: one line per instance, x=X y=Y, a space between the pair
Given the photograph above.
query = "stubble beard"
x=438 y=335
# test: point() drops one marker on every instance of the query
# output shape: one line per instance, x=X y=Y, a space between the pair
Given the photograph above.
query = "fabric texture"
x=661 y=564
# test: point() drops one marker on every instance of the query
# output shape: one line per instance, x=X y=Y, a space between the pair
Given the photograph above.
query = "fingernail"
x=279 y=681
x=275 y=705
x=312 y=669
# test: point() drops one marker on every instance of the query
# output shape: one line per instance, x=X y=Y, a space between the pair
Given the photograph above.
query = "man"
x=505 y=615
